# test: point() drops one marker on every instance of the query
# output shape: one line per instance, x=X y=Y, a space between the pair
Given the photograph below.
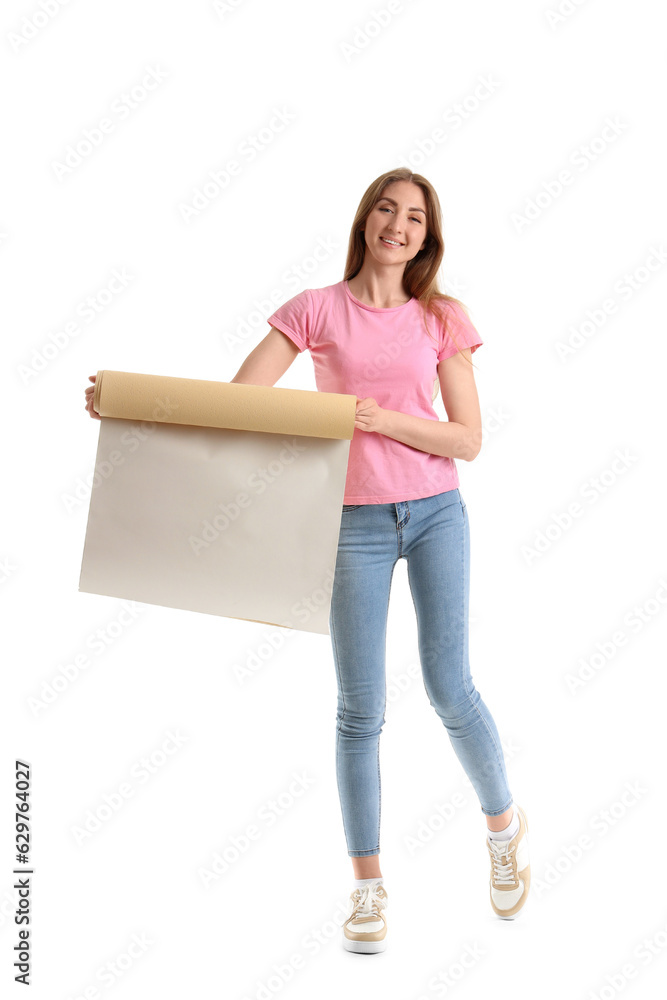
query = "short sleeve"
x=458 y=332
x=295 y=319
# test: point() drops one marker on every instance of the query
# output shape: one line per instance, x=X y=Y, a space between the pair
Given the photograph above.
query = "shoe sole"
x=364 y=947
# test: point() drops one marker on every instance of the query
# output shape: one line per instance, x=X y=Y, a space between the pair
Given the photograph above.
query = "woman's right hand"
x=90 y=392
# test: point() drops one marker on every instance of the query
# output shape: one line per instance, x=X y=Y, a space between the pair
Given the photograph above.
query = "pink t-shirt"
x=387 y=354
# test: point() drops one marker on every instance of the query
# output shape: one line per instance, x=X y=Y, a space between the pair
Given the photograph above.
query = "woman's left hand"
x=369 y=416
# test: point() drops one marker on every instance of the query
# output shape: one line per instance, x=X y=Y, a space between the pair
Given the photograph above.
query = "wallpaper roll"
x=219 y=498
x=224 y=404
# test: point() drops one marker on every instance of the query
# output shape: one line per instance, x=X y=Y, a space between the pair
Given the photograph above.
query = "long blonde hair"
x=420 y=277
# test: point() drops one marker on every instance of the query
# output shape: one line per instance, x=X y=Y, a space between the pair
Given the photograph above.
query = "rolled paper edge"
x=98 y=391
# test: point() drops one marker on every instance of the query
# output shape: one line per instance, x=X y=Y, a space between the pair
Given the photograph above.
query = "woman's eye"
x=385 y=208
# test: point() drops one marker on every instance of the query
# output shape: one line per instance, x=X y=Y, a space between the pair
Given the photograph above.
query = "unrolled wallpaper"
x=217 y=497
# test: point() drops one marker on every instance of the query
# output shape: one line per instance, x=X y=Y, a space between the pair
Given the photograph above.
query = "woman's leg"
x=358 y=621
x=437 y=546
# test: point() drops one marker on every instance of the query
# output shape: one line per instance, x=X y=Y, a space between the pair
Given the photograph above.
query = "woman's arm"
x=268 y=361
x=460 y=436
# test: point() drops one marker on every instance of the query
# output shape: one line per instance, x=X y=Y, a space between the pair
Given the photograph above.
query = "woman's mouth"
x=390 y=243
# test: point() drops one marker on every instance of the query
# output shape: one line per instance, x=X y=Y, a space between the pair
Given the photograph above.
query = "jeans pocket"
x=463 y=503
x=351 y=506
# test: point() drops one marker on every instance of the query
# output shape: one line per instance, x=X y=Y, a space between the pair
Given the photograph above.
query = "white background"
x=362 y=99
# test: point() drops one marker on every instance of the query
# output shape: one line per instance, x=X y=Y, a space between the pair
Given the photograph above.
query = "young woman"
x=386 y=334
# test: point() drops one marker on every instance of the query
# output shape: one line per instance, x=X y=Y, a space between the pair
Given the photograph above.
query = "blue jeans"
x=432 y=534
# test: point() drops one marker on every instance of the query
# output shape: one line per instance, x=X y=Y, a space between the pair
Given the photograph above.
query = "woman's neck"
x=379 y=291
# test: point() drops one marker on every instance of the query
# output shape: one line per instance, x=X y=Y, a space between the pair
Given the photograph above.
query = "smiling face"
x=395 y=230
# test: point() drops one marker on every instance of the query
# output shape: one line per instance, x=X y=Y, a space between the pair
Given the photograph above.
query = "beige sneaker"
x=510 y=871
x=365 y=927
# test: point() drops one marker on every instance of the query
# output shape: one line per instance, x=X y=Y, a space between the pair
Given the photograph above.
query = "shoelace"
x=503 y=871
x=367 y=902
